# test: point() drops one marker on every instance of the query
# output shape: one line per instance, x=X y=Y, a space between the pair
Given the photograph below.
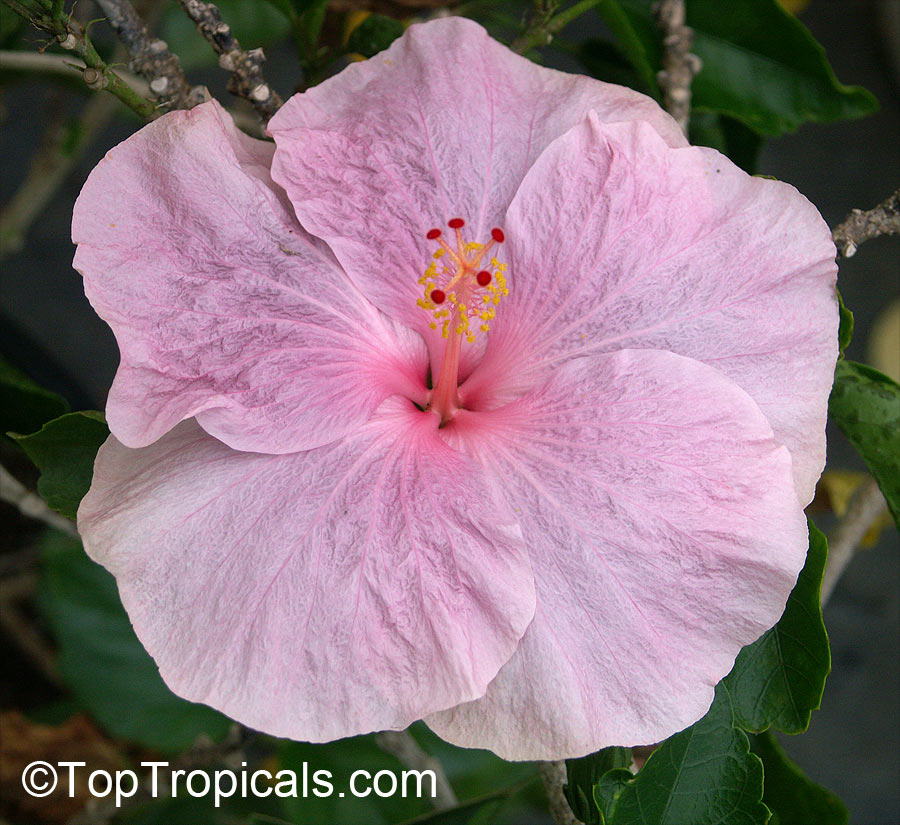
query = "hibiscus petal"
x=664 y=534
x=351 y=588
x=222 y=306
x=616 y=240
x=445 y=123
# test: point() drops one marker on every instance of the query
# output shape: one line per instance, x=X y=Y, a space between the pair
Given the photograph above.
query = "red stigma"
x=438 y=296
x=456 y=223
x=497 y=235
x=432 y=234
x=483 y=277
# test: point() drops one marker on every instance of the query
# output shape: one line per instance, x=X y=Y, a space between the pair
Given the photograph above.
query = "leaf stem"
x=545 y=23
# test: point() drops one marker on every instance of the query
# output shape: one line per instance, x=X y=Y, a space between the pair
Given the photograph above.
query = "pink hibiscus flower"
x=565 y=542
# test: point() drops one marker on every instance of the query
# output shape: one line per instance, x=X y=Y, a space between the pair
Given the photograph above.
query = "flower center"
x=462 y=289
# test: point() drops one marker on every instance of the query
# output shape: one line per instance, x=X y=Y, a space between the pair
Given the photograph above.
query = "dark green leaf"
x=374 y=35
x=845 y=331
x=778 y=680
x=702 y=775
x=474 y=812
x=186 y=810
x=605 y=61
x=473 y=773
x=341 y=759
x=265 y=819
x=583 y=774
x=607 y=790
x=25 y=406
x=625 y=29
x=760 y=65
x=64 y=450
x=729 y=136
x=103 y=662
x=11 y=26
x=311 y=22
x=865 y=404
x=794 y=798
x=253 y=24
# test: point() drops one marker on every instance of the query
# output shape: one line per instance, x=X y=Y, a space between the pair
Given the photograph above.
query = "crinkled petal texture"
x=444 y=123
x=664 y=533
x=223 y=307
x=349 y=588
x=616 y=240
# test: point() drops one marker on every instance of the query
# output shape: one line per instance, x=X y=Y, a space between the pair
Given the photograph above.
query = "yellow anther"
x=453 y=272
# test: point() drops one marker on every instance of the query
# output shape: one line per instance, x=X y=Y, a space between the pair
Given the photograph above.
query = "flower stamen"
x=462 y=295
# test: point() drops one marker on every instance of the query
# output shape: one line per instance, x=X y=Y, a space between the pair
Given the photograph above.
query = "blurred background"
x=48 y=330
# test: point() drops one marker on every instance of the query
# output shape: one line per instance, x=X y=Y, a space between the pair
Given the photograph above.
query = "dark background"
x=48 y=329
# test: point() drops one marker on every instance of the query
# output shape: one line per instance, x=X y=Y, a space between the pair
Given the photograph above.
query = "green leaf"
x=472 y=772
x=374 y=35
x=64 y=450
x=703 y=774
x=253 y=24
x=25 y=406
x=606 y=62
x=474 y=812
x=794 y=798
x=607 y=791
x=778 y=680
x=102 y=661
x=311 y=22
x=865 y=404
x=583 y=774
x=760 y=65
x=845 y=330
x=731 y=137
x=633 y=45
x=341 y=759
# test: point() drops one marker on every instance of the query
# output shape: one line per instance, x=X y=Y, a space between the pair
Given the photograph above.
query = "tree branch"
x=247 y=79
x=865 y=506
x=59 y=151
x=860 y=226
x=554 y=777
x=21 y=631
x=151 y=58
x=401 y=744
x=60 y=64
x=679 y=65
x=73 y=37
x=30 y=504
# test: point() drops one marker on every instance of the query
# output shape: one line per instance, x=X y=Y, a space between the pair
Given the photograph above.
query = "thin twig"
x=865 y=507
x=72 y=36
x=61 y=64
x=860 y=226
x=21 y=631
x=151 y=58
x=554 y=777
x=204 y=755
x=247 y=79
x=679 y=65
x=51 y=164
x=30 y=504
x=544 y=23
x=401 y=744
